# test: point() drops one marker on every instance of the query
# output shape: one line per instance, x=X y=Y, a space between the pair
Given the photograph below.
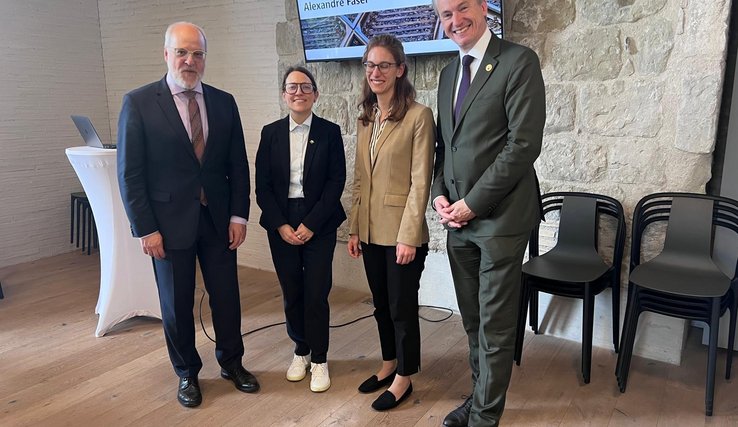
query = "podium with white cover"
x=127 y=284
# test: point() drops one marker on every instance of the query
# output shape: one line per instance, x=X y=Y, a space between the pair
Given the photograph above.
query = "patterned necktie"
x=198 y=139
x=464 y=86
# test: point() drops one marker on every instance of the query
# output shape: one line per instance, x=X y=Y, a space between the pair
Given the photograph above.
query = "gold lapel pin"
x=488 y=68
x=311 y=141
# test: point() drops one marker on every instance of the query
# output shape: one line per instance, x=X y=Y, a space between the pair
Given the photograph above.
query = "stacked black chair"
x=84 y=221
x=574 y=267
x=683 y=280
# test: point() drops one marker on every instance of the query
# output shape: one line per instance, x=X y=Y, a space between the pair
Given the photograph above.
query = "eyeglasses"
x=291 y=88
x=179 y=52
x=383 y=66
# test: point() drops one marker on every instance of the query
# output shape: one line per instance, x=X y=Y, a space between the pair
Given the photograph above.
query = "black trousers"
x=175 y=279
x=395 y=292
x=305 y=274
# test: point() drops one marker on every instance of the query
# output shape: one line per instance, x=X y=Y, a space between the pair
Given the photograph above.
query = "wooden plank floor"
x=54 y=372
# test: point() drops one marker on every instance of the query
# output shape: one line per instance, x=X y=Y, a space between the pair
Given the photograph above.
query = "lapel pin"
x=311 y=141
x=488 y=68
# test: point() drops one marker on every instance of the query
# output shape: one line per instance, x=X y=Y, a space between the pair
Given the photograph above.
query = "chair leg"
x=71 y=219
x=84 y=226
x=95 y=241
x=2 y=296
x=615 y=313
x=533 y=311
x=731 y=338
x=628 y=340
x=587 y=324
x=522 y=313
x=79 y=217
x=90 y=226
x=712 y=356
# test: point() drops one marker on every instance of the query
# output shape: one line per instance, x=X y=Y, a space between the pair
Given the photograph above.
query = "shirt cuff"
x=239 y=220
x=433 y=203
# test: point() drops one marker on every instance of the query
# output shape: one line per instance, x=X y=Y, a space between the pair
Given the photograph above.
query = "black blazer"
x=324 y=175
x=160 y=177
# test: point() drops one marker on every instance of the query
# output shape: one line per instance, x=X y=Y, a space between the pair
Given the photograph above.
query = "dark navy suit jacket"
x=324 y=175
x=159 y=176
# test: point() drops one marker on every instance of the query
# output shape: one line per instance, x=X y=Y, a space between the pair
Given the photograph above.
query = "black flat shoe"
x=243 y=379
x=373 y=384
x=386 y=400
x=459 y=417
x=188 y=392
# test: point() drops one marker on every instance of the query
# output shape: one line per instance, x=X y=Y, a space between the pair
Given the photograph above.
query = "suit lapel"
x=210 y=108
x=166 y=103
x=485 y=70
x=363 y=137
x=283 y=148
x=311 y=146
x=446 y=92
x=389 y=126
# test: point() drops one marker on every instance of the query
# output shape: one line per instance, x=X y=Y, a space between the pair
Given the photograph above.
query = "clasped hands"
x=295 y=237
x=453 y=215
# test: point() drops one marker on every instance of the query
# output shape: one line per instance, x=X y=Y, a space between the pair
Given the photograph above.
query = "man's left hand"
x=236 y=235
x=459 y=212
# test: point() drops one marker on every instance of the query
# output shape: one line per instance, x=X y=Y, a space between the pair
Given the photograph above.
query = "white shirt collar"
x=307 y=122
x=177 y=89
x=479 y=48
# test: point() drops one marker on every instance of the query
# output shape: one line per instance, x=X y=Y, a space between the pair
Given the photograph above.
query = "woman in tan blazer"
x=392 y=177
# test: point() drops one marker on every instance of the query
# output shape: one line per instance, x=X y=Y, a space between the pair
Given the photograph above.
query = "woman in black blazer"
x=300 y=175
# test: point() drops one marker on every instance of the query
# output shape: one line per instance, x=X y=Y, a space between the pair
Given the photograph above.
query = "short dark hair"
x=300 y=69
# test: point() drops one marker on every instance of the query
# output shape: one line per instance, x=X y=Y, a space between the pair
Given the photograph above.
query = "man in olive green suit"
x=491 y=112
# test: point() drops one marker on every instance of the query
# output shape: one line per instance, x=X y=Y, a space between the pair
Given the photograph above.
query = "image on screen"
x=340 y=29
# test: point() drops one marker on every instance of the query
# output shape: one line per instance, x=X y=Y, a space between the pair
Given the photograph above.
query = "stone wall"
x=633 y=90
x=633 y=93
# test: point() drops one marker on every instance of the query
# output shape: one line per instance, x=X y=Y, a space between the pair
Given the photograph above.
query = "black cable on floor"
x=202 y=324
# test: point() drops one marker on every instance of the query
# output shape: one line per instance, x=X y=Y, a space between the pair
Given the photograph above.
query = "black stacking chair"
x=574 y=267
x=76 y=201
x=681 y=281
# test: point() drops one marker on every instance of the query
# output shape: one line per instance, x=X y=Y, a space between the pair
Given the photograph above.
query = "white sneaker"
x=320 y=380
x=298 y=368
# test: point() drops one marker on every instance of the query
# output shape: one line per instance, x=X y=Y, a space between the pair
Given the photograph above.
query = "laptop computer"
x=88 y=132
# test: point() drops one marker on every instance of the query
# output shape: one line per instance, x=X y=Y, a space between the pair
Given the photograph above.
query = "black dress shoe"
x=188 y=393
x=387 y=400
x=243 y=379
x=459 y=417
x=373 y=384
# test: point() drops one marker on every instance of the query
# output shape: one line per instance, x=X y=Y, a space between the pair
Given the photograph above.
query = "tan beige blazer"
x=390 y=196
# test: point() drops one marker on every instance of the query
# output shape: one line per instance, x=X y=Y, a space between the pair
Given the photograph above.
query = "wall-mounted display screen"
x=340 y=29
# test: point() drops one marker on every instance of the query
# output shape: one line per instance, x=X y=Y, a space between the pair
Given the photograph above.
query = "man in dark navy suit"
x=184 y=180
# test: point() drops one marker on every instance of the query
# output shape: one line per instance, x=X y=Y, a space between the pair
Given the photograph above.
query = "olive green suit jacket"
x=486 y=158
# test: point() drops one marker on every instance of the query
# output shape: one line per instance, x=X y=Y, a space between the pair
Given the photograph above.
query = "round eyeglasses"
x=291 y=88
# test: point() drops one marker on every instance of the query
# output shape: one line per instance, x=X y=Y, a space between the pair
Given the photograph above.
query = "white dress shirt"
x=477 y=52
x=299 y=133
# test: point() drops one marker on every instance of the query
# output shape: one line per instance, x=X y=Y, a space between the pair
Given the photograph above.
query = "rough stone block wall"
x=632 y=91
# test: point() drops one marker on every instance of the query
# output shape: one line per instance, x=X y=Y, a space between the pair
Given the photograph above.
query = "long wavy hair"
x=404 y=94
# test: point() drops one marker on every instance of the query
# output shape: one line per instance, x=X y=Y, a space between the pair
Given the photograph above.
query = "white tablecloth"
x=127 y=284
